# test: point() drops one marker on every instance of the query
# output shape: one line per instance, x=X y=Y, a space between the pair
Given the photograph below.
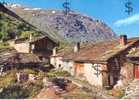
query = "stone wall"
x=69 y=66
x=127 y=72
x=21 y=47
x=90 y=74
x=126 y=76
x=56 y=62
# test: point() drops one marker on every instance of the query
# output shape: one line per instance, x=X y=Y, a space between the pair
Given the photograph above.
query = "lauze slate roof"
x=134 y=53
x=10 y=55
x=100 y=52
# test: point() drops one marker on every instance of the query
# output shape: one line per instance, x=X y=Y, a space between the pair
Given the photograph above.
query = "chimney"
x=123 y=40
x=30 y=37
x=54 y=51
x=77 y=47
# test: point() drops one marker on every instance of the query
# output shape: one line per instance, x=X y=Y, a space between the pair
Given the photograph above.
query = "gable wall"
x=21 y=47
x=121 y=69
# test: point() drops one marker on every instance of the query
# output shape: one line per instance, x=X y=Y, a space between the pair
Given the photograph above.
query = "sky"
x=112 y=12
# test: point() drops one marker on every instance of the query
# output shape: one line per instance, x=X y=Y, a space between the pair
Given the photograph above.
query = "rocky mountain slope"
x=72 y=28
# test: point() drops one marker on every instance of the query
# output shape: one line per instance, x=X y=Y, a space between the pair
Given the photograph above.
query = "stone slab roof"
x=34 y=39
x=99 y=52
x=42 y=37
x=134 y=53
x=10 y=55
x=24 y=58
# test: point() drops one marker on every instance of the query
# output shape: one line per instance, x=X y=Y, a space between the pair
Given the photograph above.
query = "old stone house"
x=133 y=57
x=101 y=64
x=41 y=46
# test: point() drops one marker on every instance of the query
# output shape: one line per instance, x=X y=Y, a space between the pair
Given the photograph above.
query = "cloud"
x=127 y=21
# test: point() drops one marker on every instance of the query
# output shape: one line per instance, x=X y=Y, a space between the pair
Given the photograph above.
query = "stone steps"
x=132 y=91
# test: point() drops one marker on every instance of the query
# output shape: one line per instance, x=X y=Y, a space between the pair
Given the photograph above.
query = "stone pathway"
x=132 y=91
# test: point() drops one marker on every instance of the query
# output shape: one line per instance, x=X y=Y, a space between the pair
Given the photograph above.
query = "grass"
x=52 y=74
x=81 y=81
x=30 y=71
x=4 y=45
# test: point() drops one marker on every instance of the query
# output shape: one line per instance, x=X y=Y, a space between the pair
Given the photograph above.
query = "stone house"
x=41 y=46
x=101 y=64
x=133 y=57
x=56 y=58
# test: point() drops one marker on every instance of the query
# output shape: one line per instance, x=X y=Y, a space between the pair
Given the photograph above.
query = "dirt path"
x=48 y=93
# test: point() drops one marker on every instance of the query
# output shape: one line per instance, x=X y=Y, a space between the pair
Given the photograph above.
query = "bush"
x=58 y=74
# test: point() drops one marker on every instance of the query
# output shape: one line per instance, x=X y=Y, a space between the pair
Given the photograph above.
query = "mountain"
x=74 y=27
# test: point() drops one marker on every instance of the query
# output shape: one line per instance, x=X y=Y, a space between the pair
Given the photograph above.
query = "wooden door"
x=79 y=69
x=137 y=71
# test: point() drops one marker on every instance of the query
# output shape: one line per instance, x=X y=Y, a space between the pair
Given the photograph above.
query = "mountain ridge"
x=72 y=28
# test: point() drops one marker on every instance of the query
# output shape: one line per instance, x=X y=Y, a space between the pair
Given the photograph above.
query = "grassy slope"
x=9 y=26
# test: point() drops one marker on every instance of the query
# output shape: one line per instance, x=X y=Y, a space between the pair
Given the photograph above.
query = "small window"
x=59 y=65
